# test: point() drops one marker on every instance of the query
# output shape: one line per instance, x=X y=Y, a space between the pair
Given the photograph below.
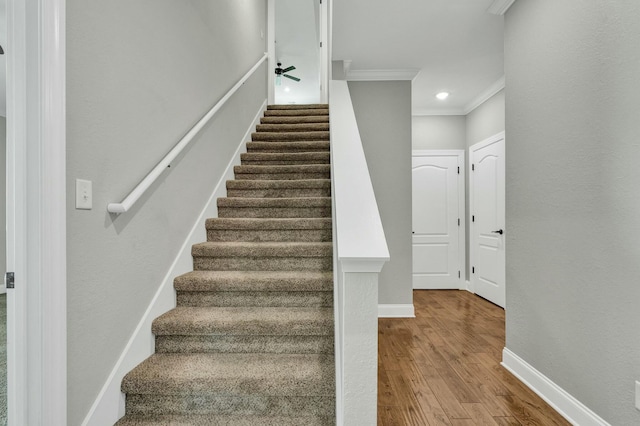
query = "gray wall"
x=383 y=113
x=439 y=132
x=573 y=204
x=3 y=198
x=483 y=122
x=486 y=120
x=140 y=74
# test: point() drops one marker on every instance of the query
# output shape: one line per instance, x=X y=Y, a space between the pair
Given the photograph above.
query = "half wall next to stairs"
x=251 y=340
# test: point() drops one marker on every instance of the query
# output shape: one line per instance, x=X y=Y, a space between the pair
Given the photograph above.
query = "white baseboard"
x=469 y=287
x=396 y=311
x=109 y=405
x=570 y=408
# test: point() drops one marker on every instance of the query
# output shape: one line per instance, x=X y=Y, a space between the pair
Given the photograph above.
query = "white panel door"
x=487 y=199
x=438 y=198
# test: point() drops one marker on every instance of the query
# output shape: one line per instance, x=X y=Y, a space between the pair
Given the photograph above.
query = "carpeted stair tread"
x=245 y=320
x=209 y=420
x=280 y=224
x=296 y=106
x=290 y=136
x=285 y=158
x=296 y=112
x=263 y=249
x=285 y=119
x=279 y=184
x=233 y=374
x=274 y=202
x=277 y=281
x=305 y=146
x=275 y=169
x=283 y=172
x=293 y=127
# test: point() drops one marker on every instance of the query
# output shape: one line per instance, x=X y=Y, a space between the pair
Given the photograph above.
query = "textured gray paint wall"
x=383 y=113
x=140 y=74
x=486 y=120
x=483 y=122
x=439 y=132
x=3 y=198
x=573 y=204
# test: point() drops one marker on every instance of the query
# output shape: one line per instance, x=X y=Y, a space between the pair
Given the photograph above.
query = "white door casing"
x=487 y=210
x=36 y=213
x=437 y=216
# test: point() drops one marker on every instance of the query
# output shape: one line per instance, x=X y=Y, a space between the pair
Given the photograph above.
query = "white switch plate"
x=84 y=195
x=638 y=395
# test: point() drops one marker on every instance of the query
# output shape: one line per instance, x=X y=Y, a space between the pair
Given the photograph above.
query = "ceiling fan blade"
x=291 y=68
x=291 y=77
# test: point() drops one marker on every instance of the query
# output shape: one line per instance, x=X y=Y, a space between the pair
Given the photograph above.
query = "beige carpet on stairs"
x=251 y=341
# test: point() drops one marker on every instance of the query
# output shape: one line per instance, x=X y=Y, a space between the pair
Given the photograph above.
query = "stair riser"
x=284 y=162
x=274 y=212
x=289 y=113
x=318 y=299
x=282 y=176
x=293 y=127
x=245 y=344
x=289 y=136
x=279 y=193
x=295 y=119
x=229 y=405
x=282 y=235
x=263 y=263
x=293 y=147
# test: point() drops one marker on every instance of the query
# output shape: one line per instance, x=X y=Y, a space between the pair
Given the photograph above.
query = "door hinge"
x=473 y=167
x=458 y=169
x=473 y=269
x=458 y=221
x=9 y=280
x=458 y=274
x=473 y=218
x=320 y=44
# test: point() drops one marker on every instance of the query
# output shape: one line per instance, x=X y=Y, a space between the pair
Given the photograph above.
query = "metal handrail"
x=137 y=192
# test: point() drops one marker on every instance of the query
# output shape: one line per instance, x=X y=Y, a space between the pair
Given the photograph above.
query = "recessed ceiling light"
x=442 y=95
x=287 y=89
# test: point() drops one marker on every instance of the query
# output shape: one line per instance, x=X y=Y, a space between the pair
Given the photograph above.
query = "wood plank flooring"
x=443 y=367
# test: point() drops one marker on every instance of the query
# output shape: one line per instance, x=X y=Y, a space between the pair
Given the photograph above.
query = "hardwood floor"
x=443 y=367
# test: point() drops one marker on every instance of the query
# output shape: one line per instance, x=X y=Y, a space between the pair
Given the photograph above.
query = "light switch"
x=84 y=195
x=638 y=395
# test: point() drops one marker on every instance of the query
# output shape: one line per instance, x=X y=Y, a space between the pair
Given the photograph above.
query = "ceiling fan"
x=282 y=73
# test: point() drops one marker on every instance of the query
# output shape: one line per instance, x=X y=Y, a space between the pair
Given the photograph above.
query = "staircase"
x=251 y=339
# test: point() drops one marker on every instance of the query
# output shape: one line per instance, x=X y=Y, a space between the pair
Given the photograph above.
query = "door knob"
x=499 y=231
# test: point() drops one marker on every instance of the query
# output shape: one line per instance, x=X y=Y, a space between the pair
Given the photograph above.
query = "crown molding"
x=485 y=95
x=500 y=7
x=382 y=75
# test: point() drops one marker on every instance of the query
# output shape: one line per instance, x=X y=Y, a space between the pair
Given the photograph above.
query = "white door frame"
x=460 y=153
x=36 y=212
x=325 y=50
x=271 y=50
x=472 y=240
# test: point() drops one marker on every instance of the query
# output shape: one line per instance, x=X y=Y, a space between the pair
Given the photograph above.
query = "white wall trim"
x=485 y=95
x=569 y=407
x=109 y=405
x=382 y=75
x=396 y=311
x=469 y=287
x=500 y=7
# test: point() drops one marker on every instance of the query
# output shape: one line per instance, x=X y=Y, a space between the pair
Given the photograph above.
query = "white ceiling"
x=450 y=45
